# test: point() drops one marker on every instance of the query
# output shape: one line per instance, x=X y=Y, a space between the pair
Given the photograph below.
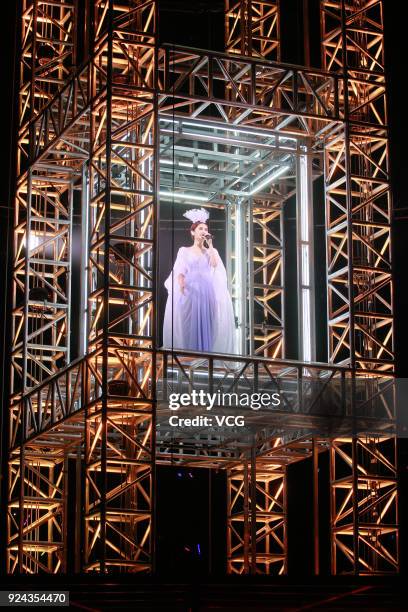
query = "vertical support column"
x=315 y=476
x=48 y=36
x=252 y=28
x=256 y=518
x=363 y=483
x=268 y=279
x=119 y=454
x=360 y=307
x=42 y=223
x=36 y=512
x=41 y=291
x=259 y=307
x=42 y=279
x=339 y=311
x=359 y=201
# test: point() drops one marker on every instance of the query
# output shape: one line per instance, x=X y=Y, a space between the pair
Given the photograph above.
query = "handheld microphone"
x=208 y=236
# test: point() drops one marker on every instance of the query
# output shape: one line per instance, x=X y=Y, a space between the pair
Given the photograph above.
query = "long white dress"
x=201 y=318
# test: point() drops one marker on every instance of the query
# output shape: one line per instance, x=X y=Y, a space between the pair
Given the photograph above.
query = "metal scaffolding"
x=48 y=58
x=360 y=295
x=252 y=28
x=358 y=191
x=110 y=131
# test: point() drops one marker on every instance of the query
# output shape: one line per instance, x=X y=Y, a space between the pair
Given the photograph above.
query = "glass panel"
x=222 y=248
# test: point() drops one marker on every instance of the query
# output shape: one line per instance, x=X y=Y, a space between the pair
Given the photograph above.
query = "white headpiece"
x=197 y=214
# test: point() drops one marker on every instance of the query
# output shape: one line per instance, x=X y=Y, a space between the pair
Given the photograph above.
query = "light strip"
x=235 y=142
x=305 y=248
x=306 y=320
x=270 y=178
x=183 y=164
x=183 y=196
x=186 y=196
x=226 y=139
x=304 y=230
x=228 y=129
x=239 y=283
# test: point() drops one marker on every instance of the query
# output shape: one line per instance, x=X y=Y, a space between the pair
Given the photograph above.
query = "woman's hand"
x=212 y=253
x=209 y=244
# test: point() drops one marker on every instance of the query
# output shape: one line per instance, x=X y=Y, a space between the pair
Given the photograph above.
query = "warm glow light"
x=35 y=240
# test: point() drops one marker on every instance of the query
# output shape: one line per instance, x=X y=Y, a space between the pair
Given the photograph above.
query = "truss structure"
x=256 y=519
x=48 y=30
x=42 y=273
x=360 y=307
x=358 y=191
x=103 y=131
x=363 y=501
x=252 y=28
x=105 y=115
x=268 y=328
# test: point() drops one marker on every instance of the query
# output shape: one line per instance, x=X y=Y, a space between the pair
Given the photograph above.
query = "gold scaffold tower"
x=87 y=398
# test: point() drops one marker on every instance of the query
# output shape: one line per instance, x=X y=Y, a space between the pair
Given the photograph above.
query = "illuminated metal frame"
x=48 y=31
x=100 y=409
x=364 y=496
x=252 y=27
x=358 y=192
x=256 y=519
x=105 y=114
x=42 y=220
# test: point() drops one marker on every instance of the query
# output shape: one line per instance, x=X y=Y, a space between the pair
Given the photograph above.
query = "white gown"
x=201 y=319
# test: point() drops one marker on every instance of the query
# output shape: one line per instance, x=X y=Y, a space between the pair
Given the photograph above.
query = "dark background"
x=191 y=503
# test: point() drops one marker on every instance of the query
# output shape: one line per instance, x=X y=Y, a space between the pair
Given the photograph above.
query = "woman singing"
x=199 y=314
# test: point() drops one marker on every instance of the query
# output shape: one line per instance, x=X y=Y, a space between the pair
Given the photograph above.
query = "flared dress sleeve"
x=173 y=329
x=180 y=267
x=224 y=333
